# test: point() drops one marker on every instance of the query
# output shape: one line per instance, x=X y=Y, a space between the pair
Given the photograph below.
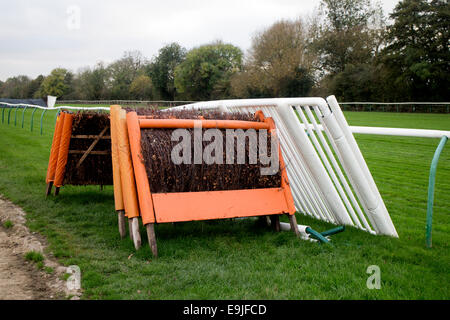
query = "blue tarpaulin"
x=38 y=102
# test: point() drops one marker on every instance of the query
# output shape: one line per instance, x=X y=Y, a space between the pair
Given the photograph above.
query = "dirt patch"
x=21 y=279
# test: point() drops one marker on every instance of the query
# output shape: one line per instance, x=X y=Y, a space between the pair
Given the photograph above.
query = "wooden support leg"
x=267 y=220
x=263 y=221
x=121 y=220
x=293 y=223
x=275 y=222
x=130 y=231
x=49 y=188
x=136 y=235
x=56 y=191
x=152 y=239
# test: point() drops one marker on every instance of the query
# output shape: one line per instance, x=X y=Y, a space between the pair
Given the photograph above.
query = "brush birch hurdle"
x=206 y=205
x=60 y=153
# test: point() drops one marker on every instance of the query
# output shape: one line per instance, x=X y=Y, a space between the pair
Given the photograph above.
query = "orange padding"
x=206 y=124
x=205 y=205
x=143 y=187
x=52 y=161
x=128 y=185
x=63 y=151
x=118 y=199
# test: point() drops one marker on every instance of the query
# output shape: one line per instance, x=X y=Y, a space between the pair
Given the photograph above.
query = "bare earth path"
x=20 y=279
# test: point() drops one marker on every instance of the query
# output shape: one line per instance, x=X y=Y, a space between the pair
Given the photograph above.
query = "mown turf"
x=237 y=259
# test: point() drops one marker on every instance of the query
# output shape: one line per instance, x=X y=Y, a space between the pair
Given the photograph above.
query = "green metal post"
x=23 y=115
x=9 y=114
x=15 y=115
x=431 y=181
x=316 y=235
x=42 y=117
x=32 y=114
x=3 y=114
x=332 y=231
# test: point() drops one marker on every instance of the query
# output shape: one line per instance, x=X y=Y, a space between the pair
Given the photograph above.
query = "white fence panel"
x=319 y=187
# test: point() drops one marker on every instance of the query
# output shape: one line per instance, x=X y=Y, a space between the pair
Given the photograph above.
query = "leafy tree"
x=418 y=54
x=92 y=83
x=162 y=70
x=361 y=82
x=279 y=63
x=34 y=86
x=16 y=87
x=58 y=83
x=123 y=72
x=350 y=34
x=141 y=88
x=206 y=71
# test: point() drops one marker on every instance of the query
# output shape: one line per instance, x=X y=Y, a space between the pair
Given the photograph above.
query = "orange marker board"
x=189 y=206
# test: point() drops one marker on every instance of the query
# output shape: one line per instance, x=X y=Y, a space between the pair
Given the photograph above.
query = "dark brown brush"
x=165 y=176
x=96 y=169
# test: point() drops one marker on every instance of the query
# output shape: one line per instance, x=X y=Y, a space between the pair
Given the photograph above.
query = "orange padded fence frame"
x=63 y=151
x=118 y=199
x=189 y=206
x=127 y=179
x=53 y=159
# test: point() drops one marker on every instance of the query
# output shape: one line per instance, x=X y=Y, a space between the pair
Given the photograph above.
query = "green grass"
x=238 y=260
x=34 y=256
x=8 y=224
x=49 y=270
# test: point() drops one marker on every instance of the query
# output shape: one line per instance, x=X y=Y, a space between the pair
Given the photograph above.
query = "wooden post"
x=121 y=218
x=135 y=230
x=275 y=222
x=263 y=221
x=130 y=231
x=152 y=238
x=293 y=223
x=49 y=188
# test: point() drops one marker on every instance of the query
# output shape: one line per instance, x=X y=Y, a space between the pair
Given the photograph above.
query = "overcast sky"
x=39 y=35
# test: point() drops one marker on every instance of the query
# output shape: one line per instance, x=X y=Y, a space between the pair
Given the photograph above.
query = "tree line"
x=346 y=48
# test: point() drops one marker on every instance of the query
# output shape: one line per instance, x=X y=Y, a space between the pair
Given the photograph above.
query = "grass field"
x=239 y=260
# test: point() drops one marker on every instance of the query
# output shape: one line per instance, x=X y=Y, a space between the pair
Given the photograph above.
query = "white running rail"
x=316 y=142
x=12 y=105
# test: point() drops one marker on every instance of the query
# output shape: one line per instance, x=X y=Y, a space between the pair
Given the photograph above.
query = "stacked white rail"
x=321 y=189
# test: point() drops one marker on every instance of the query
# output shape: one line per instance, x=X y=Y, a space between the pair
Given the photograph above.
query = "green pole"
x=316 y=235
x=431 y=181
x=23 y=115
x=32 y=114
x=9 y=114
x=333 y=231
x=15 y=115
x=3 y=114
x=42 y=117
